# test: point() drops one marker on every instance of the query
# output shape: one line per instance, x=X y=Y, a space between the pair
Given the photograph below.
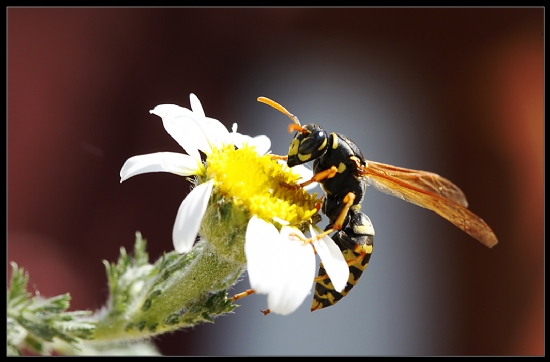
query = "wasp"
x=344 y=174
x=355 y=240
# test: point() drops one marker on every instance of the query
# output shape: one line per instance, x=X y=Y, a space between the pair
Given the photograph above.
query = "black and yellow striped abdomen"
x=355 y=241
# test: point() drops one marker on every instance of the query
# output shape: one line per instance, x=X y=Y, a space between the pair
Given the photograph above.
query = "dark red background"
x=81 y=83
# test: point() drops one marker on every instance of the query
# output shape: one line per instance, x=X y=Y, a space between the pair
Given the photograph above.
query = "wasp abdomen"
x=355 y=241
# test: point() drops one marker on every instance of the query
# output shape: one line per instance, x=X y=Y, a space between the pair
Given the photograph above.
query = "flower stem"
x=190 y=290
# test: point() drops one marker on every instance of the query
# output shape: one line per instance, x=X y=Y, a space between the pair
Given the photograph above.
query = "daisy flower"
x=240 y=205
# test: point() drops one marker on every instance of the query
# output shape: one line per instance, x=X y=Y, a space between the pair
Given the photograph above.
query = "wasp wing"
x=431 y=191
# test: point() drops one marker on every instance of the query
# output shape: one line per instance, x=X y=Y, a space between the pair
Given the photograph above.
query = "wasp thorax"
x=307 y=145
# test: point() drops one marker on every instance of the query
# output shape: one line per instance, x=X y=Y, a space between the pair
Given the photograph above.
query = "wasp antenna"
x=296 y=127
x=280 y=108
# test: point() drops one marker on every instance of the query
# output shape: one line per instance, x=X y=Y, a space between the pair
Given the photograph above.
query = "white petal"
x=262 y=255
x=189 y=217
x=180 y=123
x=238 y=139
x=296 y=273
x=215 y=131
x=262 y=144
x=196 y=105
x=176 y=163
x=279 y=265
x=332 y=258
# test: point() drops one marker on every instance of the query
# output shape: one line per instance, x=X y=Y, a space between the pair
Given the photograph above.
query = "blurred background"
x=455 y=91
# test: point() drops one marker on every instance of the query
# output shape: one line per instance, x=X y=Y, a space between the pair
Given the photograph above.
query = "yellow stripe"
x=293 y=149
x=323 y=145
x=330 y=295
x=341 y=167
x=334 y=140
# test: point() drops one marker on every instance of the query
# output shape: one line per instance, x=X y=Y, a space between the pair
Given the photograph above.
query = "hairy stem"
x=184 y=294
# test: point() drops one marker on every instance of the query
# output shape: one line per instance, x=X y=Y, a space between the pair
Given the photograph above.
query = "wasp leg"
x=338 y=223
x=348 y=203
x=247 y=293
x=328 y=173
x=319 y=203
x=277 y=157
x=362 y=253
x=320 y=278
x=242 y=295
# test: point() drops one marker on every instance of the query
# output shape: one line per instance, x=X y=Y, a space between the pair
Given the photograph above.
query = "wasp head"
x=309 y=143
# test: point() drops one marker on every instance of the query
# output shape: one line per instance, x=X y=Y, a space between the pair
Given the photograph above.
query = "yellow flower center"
x=257 y=183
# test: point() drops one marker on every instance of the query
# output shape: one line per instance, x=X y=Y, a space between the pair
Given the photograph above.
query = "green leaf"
x=35 y=323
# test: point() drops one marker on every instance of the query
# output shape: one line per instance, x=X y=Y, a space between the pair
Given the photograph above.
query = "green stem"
x=189 y=295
